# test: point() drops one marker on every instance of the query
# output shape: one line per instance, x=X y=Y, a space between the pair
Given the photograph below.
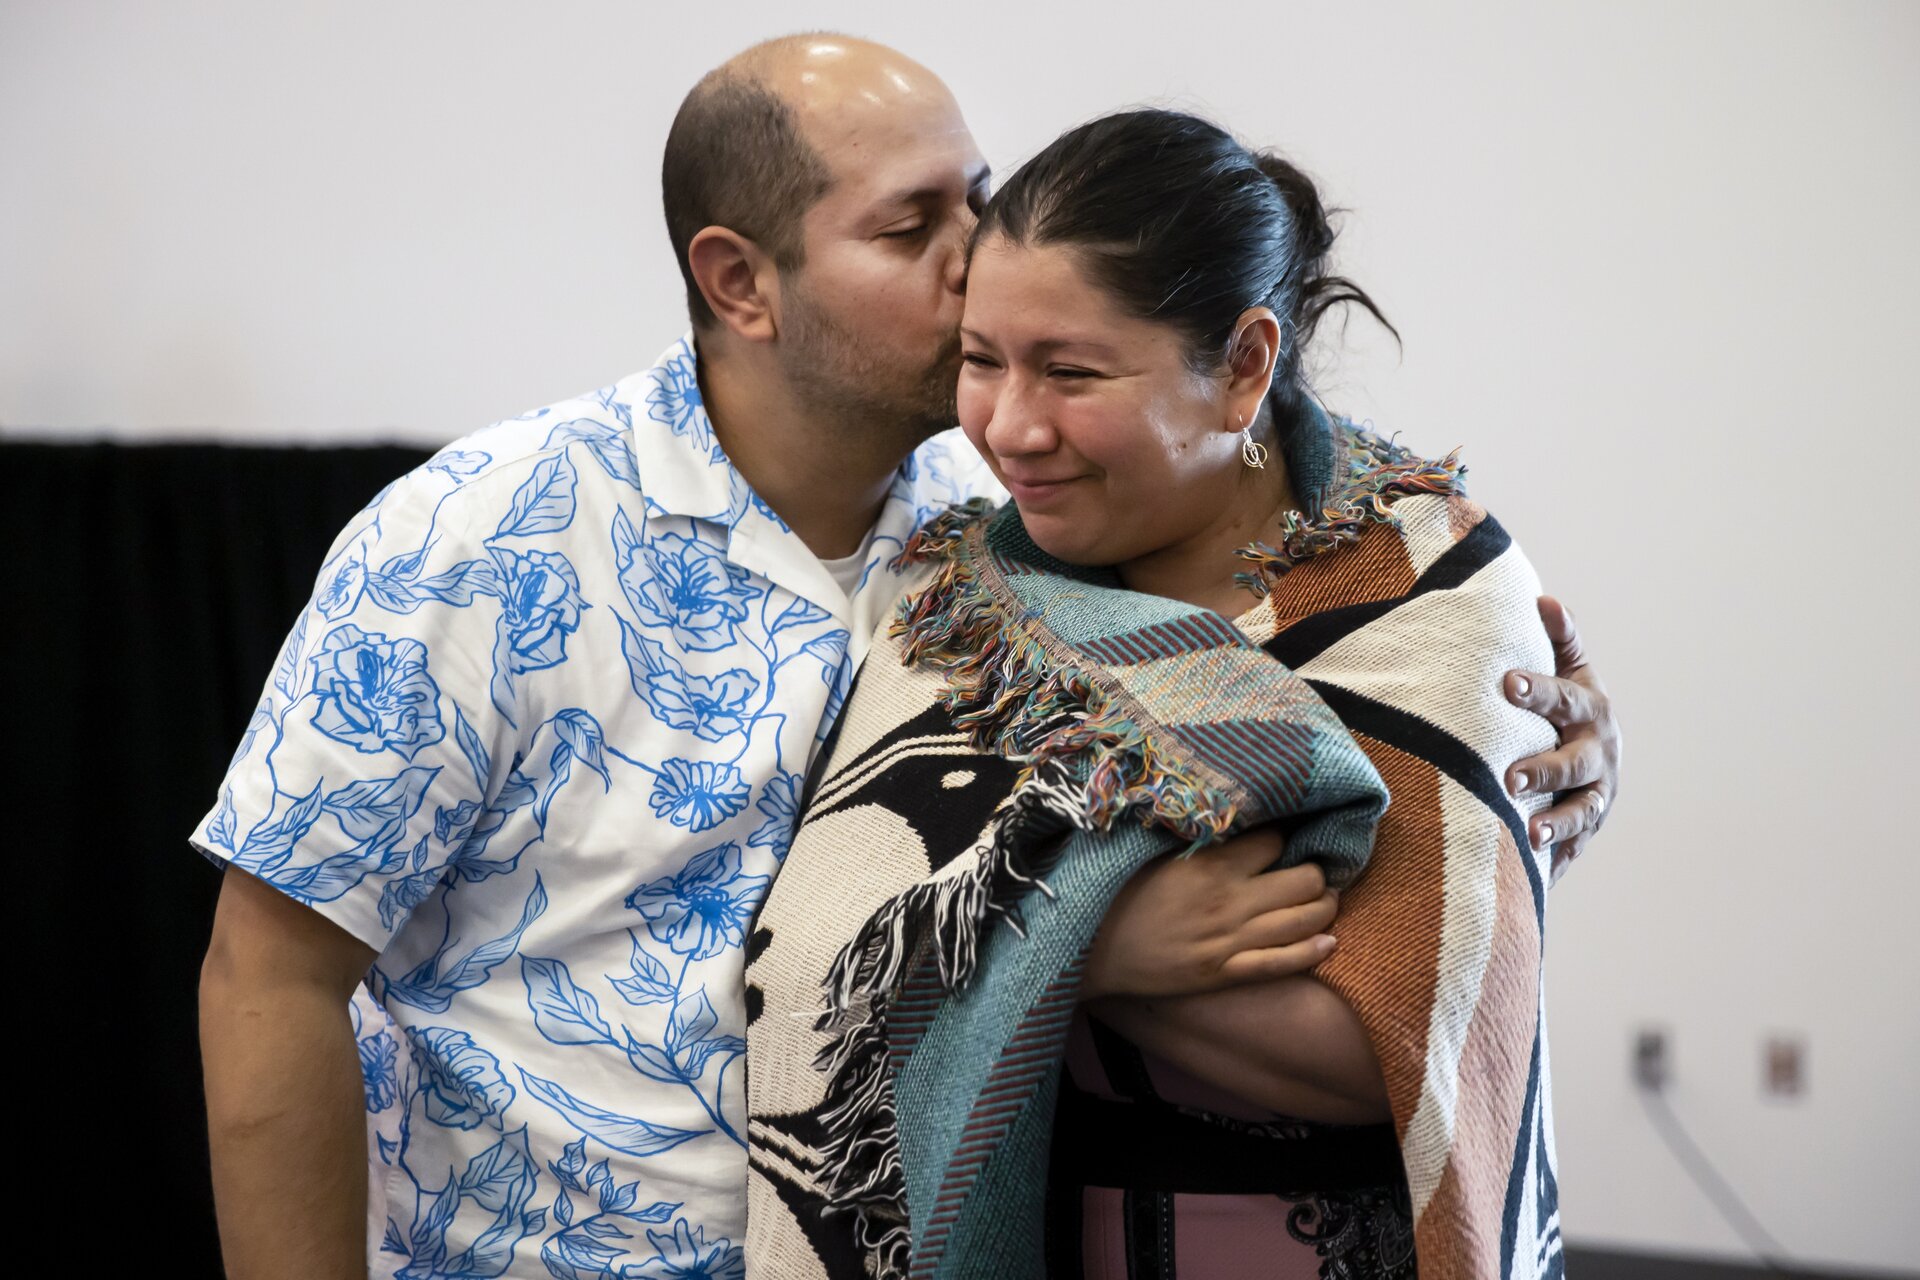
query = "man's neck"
x=826 y=481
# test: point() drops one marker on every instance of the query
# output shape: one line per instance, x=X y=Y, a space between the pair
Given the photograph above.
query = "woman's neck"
x=1200 y=569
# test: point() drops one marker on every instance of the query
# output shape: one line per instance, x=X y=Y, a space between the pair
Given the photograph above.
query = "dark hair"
x=736 y=159
x=1182 y=224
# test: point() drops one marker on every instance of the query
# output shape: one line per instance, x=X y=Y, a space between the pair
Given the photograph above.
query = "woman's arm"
x=1289 y=1044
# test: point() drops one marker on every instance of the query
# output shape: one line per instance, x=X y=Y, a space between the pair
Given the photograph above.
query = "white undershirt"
x=847 y=570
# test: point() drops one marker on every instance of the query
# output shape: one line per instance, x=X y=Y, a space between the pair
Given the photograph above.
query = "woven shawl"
x=1027 y=738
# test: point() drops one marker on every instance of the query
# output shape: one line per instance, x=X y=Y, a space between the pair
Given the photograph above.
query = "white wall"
x=1656 y=266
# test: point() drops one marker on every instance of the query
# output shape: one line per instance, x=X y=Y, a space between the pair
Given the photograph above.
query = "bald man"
x=533 y=753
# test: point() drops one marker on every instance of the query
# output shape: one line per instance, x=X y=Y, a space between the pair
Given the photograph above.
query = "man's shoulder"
x=948 y=469
x=533 y=466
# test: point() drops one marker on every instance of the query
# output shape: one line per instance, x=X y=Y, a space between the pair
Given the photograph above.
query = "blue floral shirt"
x=538 y=741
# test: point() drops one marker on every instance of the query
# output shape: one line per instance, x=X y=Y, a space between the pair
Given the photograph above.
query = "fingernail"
x=1544 y=836
x=1519 y=782
x=1327 y=942
x=1522 y=686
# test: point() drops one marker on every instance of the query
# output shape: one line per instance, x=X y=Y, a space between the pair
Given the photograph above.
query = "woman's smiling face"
x=1113 y=447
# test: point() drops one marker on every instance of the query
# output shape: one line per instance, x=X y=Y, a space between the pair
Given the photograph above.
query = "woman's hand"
x=1216 y=919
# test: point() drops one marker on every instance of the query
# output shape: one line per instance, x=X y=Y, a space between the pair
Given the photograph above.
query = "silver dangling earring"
x=1252 y=452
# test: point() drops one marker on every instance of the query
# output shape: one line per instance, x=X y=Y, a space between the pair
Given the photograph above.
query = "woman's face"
x=1110 y=444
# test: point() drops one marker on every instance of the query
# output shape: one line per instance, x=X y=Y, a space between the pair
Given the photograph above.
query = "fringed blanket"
x=1027 y=738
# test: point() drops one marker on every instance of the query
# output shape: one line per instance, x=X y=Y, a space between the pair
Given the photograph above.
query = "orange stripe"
x=1459 y=1234
x=1389 y=927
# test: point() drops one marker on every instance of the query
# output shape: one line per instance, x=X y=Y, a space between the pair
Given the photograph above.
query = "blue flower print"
x=680 y=582
x=685 y=1255
x=780 y=802
x=542 y=600
x=376 y=694
x=711 y=708
x=706 y=908
x=676 y=401
x=698 y=795
x=377 y=1055
x=461 y=1082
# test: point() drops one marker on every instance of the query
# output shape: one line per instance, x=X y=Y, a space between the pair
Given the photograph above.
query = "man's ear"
x=739 y=281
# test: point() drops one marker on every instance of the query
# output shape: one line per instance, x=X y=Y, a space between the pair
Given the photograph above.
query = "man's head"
x=819 y=193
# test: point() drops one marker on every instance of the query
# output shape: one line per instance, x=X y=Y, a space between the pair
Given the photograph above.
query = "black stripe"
x=1149 y=1222
x=1517 y=1179
x=1066 y=1227
x=1120 y=1059
x=1428 y=741
x=1315 y=634
x=1099 y=1143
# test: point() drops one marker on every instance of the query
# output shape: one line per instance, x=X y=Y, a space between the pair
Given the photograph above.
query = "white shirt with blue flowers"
x=538 y=741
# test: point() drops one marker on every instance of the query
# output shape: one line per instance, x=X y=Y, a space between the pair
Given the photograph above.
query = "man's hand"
x=1584 y=770
x=1216 y=919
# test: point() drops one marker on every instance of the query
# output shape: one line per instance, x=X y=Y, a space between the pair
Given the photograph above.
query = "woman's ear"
x=739 y=281
x=1252 y=357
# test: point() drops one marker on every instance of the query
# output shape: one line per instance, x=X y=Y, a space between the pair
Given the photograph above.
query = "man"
x=531 y=757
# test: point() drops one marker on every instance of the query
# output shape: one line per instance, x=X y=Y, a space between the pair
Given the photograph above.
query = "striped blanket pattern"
x=1028 y=738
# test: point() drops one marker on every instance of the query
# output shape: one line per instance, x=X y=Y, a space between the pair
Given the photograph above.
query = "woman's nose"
x=1019 y=426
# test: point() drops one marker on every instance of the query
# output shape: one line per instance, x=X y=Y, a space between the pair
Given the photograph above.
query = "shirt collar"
x=684 y=472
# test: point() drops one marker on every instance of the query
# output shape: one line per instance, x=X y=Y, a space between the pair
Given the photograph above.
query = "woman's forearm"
x=1290 y=1045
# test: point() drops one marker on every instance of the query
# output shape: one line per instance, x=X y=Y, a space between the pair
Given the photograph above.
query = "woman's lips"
x=1029 y=493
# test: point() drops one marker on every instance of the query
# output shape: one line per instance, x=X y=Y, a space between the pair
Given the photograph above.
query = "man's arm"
x=1583 y=769
x=286 y=1110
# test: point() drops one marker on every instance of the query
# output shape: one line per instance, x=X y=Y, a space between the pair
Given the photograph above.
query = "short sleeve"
x=382 y=736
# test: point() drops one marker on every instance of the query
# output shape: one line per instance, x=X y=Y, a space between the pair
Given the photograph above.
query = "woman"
x=1071 y=703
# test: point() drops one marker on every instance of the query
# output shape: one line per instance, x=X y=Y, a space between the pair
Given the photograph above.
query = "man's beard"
x=842 y=381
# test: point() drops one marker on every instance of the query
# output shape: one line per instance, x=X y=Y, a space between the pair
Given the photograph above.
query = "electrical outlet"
x=1784 y=1066
x=1650 y=1066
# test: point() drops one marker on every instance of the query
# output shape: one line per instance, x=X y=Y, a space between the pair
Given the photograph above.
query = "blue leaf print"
x=428 y=986
x=376 y=808
x=693 y=1019
x=544 y=501
x=695 y=1057
x=649 y=983
x=501 y=1174
x=327 y=879
x=607 y=443
x=581 y=733
x=698 y=795
x=622 y=1133
x=653 y=1062
x=460 y=463
x=376 y=694
x=563 y=1012
x=221 y=830
x=398 y=898
x=780 y=802
x=271 y=843
x=286 y=671
x=798 y=613
x=474 y=750
x=461 y=584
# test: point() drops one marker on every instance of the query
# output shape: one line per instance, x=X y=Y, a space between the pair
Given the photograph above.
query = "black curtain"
x=149 y=591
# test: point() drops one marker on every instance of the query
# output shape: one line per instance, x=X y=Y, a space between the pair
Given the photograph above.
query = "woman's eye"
x=904 y=233
x=1072 y=373
x=977 y=360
